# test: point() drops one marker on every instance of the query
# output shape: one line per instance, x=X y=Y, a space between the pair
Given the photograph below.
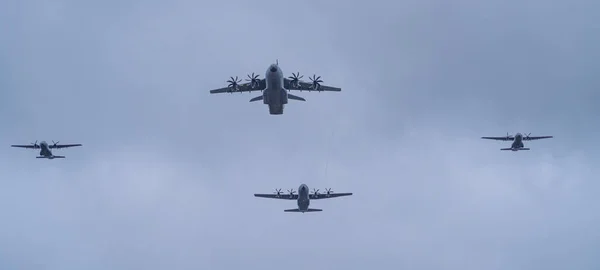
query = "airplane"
x=518 y=139
x=45 y=151
x=275 y=88
x=303 y=197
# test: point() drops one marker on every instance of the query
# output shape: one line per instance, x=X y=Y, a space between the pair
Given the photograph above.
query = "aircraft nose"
x=273 y=69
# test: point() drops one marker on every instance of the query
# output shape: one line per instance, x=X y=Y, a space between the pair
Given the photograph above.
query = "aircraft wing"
x=306 y=86
x=31 y=146
x=503 y=138
x=245 y=87
x=327 y=196
x=531 y=138
x=280 y=196
x=59 y=146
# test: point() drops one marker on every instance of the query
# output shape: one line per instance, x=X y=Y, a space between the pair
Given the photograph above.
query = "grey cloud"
x=167 y=171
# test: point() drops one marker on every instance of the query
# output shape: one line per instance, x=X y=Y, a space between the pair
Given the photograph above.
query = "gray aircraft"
x=275 y=87
x=303 y=197
x=45 y=149
x=518 y=139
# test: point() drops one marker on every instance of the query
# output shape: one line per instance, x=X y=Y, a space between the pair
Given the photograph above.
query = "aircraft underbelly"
x=303 y=203
x=302 y=206
x=275 y=99
x=274 y=96
x=517 y=145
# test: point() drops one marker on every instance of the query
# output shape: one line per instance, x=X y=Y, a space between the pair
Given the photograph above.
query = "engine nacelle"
x=295 y=84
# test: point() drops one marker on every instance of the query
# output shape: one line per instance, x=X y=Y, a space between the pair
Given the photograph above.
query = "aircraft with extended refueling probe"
x=275 y=87
x=518 y=139
x=303 y=197
x=45 y=149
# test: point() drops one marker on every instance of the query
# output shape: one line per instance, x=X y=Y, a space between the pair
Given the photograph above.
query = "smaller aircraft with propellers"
x=45 y=149
x=517 y=140
x=275 y=87
x=303 y=197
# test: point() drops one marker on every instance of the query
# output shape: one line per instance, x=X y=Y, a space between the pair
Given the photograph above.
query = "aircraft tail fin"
x=256 y=98
x=307 y=210
x=290 y=96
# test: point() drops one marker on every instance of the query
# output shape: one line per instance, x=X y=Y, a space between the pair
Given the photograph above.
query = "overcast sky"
x=167 y=171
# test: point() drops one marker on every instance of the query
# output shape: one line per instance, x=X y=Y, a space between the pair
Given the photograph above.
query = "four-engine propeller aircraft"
x=303 y=197
x=275 y=87
x=517 y=140
x=45 y=151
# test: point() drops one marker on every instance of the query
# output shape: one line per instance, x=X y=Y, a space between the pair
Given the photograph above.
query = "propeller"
x=291 y=192
x=527 y=136
x=253 y=80
x=328 y=191
x=55 y=143
x=295 y=80
x=315 y=82
x=233 y=84
x=315 y=192
x=35 y=145
x=277 y=191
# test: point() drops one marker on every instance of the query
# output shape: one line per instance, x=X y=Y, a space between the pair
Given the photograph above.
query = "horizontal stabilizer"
x=51 y=157
x=514 y=149
x=256 y=98
x=307 y=210
x=290 y=96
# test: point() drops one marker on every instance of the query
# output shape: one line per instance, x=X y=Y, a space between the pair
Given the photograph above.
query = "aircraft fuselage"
x=45 y=150
x=517 y=142
x=274 y=94
x=303 y=198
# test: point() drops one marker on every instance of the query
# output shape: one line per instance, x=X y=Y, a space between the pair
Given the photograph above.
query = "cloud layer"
x=166 y=174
